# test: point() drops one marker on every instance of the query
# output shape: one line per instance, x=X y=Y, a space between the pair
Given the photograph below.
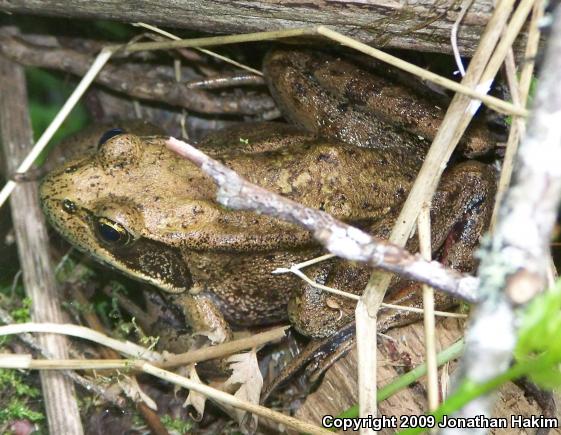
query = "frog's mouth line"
x=166 y=269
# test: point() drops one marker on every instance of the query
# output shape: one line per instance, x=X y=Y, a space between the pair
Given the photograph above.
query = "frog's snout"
x=47 y=194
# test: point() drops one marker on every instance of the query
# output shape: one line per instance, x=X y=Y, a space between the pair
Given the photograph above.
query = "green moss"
x=177 y=425
x=17 y=394
x=23 y=313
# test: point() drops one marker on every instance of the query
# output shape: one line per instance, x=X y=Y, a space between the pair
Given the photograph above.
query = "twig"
x=345 y=294
x=307 y=263
x=223 y=349
x=512 y=268
x=135 y=82
x=531 y=49
x=337 y=237
x=454 y=36
x=516 y=131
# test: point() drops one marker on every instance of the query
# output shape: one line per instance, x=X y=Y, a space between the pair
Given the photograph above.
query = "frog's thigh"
x=203 y=315
x=461 y=211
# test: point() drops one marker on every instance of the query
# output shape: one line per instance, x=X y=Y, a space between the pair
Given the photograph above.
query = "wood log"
x=404 y=349
x=411 y=24
x=31 y=234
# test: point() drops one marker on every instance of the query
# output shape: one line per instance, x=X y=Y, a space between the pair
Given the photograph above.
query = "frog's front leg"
x=182 y=321
x=202 y=315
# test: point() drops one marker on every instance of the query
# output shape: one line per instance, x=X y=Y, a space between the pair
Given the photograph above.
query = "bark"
x=31 y=235
x=416 y=25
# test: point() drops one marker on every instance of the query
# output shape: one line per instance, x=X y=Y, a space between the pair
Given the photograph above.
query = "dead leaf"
x=131 y=388
x=216 y=336
x=245 y=373
x=196 y=400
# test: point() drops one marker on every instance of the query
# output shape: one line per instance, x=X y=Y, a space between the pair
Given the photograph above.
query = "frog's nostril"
x=69 y=206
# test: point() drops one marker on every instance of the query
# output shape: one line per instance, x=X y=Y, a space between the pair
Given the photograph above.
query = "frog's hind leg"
x=315 y=358
x=316 y=313
x=460 y=213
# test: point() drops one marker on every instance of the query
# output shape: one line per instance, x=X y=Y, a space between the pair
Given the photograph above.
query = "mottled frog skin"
x=135 y=206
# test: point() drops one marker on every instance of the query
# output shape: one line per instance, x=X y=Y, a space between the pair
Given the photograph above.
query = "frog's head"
x=119 y=204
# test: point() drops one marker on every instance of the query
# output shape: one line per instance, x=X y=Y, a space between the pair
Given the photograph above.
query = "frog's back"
x=349 y=182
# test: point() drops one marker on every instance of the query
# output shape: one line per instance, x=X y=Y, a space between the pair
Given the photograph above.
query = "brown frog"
x=137 y=207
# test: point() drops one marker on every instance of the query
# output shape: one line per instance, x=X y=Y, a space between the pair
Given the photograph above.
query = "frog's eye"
x=112 y=233
x=109 y=134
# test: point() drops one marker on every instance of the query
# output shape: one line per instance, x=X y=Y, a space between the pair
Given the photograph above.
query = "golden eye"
x=112 y=232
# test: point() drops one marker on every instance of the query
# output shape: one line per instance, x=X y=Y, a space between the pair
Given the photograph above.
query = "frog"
x=135 y=206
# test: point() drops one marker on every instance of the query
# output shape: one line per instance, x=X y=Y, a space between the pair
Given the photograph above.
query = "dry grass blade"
x=136 y=351
x=216 y=40
x=202 y=50
x=424 y=233
x=521 y=94
x=124 y=347
x=47 y=135
x=224 y=349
